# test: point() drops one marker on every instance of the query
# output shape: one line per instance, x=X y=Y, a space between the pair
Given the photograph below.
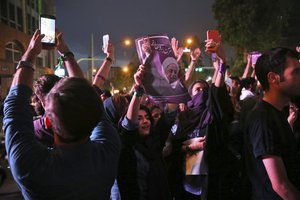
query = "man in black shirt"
x=273 y=164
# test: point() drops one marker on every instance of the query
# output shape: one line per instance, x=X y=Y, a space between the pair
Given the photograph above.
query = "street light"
x=127 y=42
x=125 y=69
x=189 y=41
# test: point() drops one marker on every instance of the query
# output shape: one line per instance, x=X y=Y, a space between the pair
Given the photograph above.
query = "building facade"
x=18 y=21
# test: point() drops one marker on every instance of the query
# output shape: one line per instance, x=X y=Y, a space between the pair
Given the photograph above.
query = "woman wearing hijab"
x=142 y=172
x=199 y=140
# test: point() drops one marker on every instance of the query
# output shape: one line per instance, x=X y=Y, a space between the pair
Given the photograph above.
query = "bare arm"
x=134 y=105
x=246 y=71
x=220 y=69
x=194 y=57
x=103 y=72
x=278 y=177
x=69 y=61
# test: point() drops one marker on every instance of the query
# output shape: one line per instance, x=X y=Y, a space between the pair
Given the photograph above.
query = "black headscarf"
x=197 y=116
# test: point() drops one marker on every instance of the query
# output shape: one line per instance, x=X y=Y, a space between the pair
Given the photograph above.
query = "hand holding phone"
x=254 y=56
x=216 y=37
x=47 y=27
x=105 y=42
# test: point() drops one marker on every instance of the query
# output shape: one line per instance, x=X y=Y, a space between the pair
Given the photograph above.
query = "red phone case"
x=215 y=35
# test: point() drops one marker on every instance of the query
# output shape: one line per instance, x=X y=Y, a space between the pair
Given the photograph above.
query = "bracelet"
x=102 y=77
x=194 y=60
x=138 y=94
x=138 y=91
x=65 y=55
x=26 y=64
x=109 y=59
x=222 y=68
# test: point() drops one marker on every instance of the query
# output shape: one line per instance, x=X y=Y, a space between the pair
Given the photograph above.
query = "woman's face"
x=144 y=123
x=156 y=114
x=172 y=72
x=197 y=88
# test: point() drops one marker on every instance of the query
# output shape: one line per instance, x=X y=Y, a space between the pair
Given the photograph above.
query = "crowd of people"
x=237 y=138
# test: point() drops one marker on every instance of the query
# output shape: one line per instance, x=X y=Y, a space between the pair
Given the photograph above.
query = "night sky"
x=122 y=19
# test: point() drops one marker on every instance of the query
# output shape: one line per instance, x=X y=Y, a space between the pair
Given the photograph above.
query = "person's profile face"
x=172 y=72
x=290 y=82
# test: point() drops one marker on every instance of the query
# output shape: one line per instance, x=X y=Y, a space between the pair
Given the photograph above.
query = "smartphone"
x=47 y=27
x=254 y=56
x=215 y=35
x=105 y=42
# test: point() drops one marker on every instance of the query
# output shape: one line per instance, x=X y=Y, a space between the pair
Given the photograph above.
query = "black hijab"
x=197 y=116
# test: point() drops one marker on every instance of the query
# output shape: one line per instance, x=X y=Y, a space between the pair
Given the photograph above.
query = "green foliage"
x=257 y=25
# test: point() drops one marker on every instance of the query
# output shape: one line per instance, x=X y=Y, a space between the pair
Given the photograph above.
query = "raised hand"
x=196 y=54
x=249 y=59
x=110 y=51
x=35 y=46
x=62 y=47
x=139 y=75
x=174 y=44
x=146 y=47
x=179 y=53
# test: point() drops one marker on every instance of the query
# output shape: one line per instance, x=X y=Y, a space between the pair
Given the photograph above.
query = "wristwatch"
x=27 y=64
x=65 y=55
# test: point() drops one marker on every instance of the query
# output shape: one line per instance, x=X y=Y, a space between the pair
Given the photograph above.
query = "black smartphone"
x=47 y=27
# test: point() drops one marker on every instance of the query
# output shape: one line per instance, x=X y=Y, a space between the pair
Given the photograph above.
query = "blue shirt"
x=81 y=171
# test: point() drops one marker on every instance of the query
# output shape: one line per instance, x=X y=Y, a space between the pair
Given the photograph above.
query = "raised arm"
x=134 y=106
x=194 y=57
x=178 y=51
x=25 y=69
x=246 y=71
x=221 y=68
x=103 y=72
x=68 y=57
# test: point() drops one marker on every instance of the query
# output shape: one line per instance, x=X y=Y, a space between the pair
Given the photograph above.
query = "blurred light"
x=127 y=42
x=198 y=69
x=116 y=91
x=208 y=78
x=189 y=41
x=94 y=70
x=125 y=69
x=186 y=50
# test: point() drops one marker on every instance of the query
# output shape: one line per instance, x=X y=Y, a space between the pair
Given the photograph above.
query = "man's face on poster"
x=172 y=72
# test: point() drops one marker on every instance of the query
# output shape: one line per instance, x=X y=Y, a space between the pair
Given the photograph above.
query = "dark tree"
x=250 y=25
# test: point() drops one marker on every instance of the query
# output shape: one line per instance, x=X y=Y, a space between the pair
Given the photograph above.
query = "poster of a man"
x=162 y=82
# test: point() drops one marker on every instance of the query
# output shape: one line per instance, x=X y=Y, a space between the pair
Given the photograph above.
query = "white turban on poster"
x=161 y=78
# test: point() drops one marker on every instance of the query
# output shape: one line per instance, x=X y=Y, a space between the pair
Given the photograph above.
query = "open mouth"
x=145 y=127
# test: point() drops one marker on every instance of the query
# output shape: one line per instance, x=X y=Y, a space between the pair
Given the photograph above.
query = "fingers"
x=36 y=33
x=59 y=35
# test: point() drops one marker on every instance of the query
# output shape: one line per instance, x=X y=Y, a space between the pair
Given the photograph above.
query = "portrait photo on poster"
x=162 y=81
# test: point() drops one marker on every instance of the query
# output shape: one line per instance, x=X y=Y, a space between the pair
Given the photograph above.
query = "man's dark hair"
x=247 y=82
x=74 y=109
x=273 y=60
x=44 y=84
